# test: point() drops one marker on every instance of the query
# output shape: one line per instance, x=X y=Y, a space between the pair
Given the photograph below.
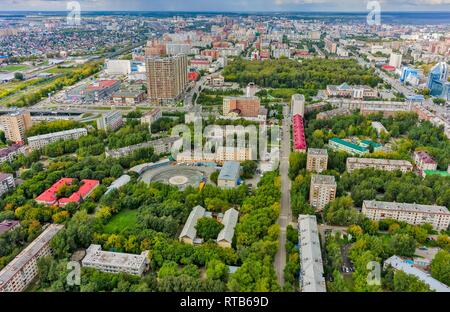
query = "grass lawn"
x=12 y=68
x=123 y=220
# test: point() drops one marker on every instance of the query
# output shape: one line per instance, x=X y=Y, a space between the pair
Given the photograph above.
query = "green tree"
x=208 y=228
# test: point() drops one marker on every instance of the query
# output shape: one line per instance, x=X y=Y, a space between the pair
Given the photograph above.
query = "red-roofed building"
x=193 y=76
x=49 y=197
x=388 y=67
x=298 y=130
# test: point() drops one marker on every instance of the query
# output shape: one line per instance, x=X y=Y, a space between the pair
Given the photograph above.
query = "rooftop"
x=399 y=264
x=311 y=267
x=94 y=255
x=6 y=225
x=56 y=134
x=405 y=207
x=323 y=179
x=317 y=151
x=349 y=145
x=379 y=161
x=229 y=221
x=230 y=171
x=29 y=253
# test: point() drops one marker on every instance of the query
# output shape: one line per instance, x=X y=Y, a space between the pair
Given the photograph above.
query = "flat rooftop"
x=373 y=204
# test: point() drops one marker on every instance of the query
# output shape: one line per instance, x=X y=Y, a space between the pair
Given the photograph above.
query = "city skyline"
x=230 y=6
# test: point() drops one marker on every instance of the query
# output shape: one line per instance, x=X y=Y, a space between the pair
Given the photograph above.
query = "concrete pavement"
x=285 y=211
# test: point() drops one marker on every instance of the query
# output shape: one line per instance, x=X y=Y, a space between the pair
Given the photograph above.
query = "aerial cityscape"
x=265 y=146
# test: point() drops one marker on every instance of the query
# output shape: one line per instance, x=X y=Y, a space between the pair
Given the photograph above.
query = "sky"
x=226 y=5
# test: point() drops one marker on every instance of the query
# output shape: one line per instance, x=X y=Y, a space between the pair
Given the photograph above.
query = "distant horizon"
x=231 y=11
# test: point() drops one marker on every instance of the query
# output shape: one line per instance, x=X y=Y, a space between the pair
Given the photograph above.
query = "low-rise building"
x=225 y=237
x=317 y=160
x=151 y=116
x=39 y=141
x=160 y=146
x=354 y=163
x=415 y=214
x=355 y=92
x=229 y=221
x=398 y=264
x=322 y=191
x=110 y=121
x=129 y=96
x=6 y=183
x=7 y=225
x=345 y=146
x=23 y=269
x=379 y=128
x=424 y=161
x=11 y=152
x=115 y=262
x=50 y=197
x=298 y=130
x=123 y=180
x=229 y=175
x=333 y=113
x=311 y=265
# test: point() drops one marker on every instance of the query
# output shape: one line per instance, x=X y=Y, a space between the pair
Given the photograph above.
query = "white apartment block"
x=39 y=141
x=221 y=155
x=414 y=214
x=110 y=121
x=322 y=191
x=354 y=163
x=6 y=183
x=298 y=105
x=151 y=116
x=19 y=273
x=115 y=262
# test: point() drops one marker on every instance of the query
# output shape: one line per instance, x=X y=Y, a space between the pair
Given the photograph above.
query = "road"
x=285 y=211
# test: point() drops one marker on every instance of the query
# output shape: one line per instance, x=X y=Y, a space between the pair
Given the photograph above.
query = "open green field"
x=123 y=220
x=13 y=68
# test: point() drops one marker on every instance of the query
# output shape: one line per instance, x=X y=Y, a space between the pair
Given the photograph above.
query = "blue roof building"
x=229 y=175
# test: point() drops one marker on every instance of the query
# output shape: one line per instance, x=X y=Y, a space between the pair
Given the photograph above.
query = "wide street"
x=285 y=210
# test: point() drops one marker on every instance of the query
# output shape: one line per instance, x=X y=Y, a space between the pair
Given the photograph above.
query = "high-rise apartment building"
x=317 y=160
x=15 y=124
x=167 y=77
x=298 y=105
x=322 y=191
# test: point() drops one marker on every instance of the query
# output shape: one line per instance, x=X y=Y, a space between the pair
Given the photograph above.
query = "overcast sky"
x=228 y=5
